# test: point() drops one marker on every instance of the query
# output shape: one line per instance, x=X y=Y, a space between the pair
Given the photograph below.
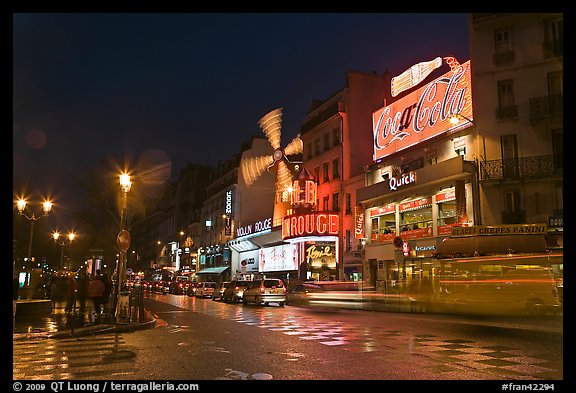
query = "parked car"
x=265 y=291
x=192 y=286
x=219 y=291
x=205 y=289
x=179 y=286
x=234 y=291
x=159 y=286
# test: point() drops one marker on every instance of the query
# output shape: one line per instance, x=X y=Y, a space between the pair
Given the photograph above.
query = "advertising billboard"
x=424 y=113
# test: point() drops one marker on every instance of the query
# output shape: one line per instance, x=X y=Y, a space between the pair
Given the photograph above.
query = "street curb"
x=108 y=328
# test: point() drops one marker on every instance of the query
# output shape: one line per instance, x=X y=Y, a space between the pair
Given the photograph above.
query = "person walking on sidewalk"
x=70 y=292
x=82 y=291
x=95 y=292
x=107 y=292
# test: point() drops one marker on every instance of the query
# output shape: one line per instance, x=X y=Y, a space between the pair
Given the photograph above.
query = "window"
x=558 y=148
x=326 y=141
x=348 y=240
x=336 y=136
x=553 y=37
x=348 y=203
x=325 y=168
x=317 y=174
x=309 y=150
x=505 y=93
x=506 y=103
x=325 y=203
x=509 y=156
x=336 y=168
x=502 y=41
x=317 y=146
x=335 y=202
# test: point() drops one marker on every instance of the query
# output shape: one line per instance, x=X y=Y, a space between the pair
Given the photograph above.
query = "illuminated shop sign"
x=519 y=229
x=318 y=224
x=320 y=254
x=446 y=196
x=413 y=76
x=359 y=220
x=304 y=192
x=382 y=210
x=415 y=205
x=425 y=113
x=404 y=179
x=228 y=208
x=256 y=227
x=278 y=258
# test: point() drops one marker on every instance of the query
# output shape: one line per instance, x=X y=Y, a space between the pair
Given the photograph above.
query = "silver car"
x=265 y=291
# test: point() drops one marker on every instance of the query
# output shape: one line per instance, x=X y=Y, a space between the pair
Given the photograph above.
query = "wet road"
x=199 y=339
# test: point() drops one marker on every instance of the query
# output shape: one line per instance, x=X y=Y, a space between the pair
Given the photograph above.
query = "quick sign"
x=402 y=180
x=425 y=113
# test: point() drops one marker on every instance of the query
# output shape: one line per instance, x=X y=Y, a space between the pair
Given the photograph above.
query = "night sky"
x=189 y=88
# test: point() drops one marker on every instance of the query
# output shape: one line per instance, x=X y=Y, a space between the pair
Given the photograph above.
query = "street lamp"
x=21 y=205
x=123 y=240
x=56 y=236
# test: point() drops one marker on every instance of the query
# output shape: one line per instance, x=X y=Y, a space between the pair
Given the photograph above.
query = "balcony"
x=525 y=168
x=501 y=58
x=546 y=108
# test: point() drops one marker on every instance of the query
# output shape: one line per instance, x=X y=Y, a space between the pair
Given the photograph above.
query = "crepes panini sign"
x=424 y=113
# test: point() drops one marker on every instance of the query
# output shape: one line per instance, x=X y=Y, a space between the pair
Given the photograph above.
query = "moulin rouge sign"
x=424 y=113
x=311 y=224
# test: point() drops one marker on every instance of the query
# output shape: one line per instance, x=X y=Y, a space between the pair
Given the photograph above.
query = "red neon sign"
x=425 y=113
x=311 y=224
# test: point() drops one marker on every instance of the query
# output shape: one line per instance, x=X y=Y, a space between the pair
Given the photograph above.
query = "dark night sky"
x=189 y=87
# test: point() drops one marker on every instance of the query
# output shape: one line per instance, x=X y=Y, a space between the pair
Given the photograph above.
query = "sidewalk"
x=60 y=324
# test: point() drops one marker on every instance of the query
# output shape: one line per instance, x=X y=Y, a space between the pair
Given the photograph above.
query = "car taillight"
x=261 y=289
x=284 y=289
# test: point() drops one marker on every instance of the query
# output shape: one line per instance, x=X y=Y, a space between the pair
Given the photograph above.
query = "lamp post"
x=56 y=236
x=21 y=205
x=123 y=240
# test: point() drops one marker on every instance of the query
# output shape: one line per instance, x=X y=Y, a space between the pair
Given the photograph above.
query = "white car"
x=205 y=289
x=265 y=291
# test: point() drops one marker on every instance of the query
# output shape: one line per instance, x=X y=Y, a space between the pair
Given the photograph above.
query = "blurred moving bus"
x=527 y=284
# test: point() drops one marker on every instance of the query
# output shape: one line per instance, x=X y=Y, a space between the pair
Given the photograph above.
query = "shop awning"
x=242 y=245
x=213 y=270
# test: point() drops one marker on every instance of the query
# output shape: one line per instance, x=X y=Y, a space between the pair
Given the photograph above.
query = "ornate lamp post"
x=56 y=236
x=46 y=208
x=123 y=240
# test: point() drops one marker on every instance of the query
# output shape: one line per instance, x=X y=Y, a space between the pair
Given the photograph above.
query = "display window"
x=416 y=218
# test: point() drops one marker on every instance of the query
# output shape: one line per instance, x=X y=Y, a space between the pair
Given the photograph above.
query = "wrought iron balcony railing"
x=520 y=168
x=546 y=107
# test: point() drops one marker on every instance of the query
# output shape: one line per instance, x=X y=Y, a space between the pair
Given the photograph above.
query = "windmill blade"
x=283 y=177
x=271 y=124
x=252 y=167
x=294 y=147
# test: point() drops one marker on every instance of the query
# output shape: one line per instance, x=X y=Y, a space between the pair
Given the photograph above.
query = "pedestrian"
x=95 y=292
x=15 y=289
x=107 y=292
x=82 y=284
x=70 y=292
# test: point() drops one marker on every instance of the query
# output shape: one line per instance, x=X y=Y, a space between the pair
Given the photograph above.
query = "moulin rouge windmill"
x=253 y=167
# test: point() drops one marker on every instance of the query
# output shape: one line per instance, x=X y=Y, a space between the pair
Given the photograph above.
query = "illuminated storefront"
x=423 y=181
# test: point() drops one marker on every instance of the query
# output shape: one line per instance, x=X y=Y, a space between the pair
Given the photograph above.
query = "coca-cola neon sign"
x=425 y=113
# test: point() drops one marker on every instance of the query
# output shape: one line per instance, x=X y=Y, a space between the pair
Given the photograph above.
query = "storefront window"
x=387 y=224
x=447 y=213
x=416 y=219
